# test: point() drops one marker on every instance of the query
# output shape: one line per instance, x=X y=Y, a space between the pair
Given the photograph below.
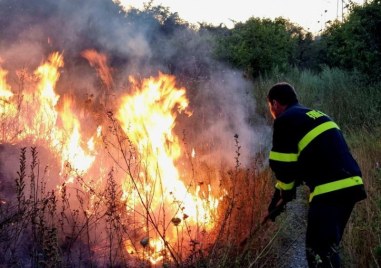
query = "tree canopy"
x=260 y=45
x=356 y=43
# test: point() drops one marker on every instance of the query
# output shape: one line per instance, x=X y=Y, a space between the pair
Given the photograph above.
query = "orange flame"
x=8 y=109
x=37 y=114
x=148 y=119
x=72 y=150
x=5 y=93
x=99 y=61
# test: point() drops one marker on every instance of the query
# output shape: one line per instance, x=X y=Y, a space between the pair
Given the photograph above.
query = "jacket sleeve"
x=284 y=155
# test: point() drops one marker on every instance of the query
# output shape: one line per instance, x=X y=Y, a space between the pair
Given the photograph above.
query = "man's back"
x=322 y=153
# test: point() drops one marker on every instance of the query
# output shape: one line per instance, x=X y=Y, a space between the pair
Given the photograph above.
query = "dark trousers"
x=325 y=227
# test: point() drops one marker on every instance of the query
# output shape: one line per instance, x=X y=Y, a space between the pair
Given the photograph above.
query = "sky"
x=310 y=14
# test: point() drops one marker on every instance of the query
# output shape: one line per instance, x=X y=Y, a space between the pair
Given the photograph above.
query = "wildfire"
x=7 y=107
x=5 y=93
x=156 y=190
x=148 y=118
x=72 y=149
x=37 y=118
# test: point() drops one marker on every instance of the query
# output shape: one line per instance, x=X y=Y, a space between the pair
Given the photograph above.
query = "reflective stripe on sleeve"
x=283 y=157
x=311 y=135
x=336 y=185
x=303 y=143
x=284 y=186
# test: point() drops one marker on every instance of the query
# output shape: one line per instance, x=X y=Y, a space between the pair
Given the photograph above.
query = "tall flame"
x=5 y=92
x=148 y=119
x=36 y=118
x=72 y=148
x=99 y=61
x=8 y=108
x=157 y=190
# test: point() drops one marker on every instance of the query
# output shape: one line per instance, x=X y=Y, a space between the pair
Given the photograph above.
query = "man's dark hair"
x=284 y=93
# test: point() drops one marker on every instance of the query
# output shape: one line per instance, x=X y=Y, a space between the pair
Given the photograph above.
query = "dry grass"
x=362 y=239
x=79 y=225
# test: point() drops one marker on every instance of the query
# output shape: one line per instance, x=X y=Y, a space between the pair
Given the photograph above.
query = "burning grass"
x=79 y=223
x=117 y=187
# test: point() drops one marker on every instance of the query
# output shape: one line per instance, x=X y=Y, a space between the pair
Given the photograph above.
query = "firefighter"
x=308 y=147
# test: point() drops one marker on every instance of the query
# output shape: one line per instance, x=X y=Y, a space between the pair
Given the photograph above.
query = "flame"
x=72 y=150
x=8 y=109
x=100 y=62
x=148 y=118
x=36 y=117
x=5 y=93
x=193 y=153
x=49 y=75
x=157 y=190
x=157 y=248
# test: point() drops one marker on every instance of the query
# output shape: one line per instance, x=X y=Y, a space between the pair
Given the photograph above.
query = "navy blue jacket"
x=308 y=146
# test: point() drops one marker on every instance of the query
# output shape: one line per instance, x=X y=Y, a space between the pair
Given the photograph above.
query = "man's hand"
x=272 y=214
x=278 y=202
x=288 y=195
x=274 y=209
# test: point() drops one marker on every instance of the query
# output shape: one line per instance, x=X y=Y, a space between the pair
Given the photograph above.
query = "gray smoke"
x=138 y=43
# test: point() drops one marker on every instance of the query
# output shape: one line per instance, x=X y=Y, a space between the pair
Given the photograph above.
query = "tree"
x=259 y=45
x=356 y=43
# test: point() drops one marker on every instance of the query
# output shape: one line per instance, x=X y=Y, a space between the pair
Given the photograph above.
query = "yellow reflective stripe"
x=303 y=143
x=336 y=185
x=284 y=186
x=283 y=157
x=314 y=133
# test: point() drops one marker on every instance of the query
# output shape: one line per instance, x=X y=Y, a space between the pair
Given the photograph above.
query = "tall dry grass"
x=79 y=225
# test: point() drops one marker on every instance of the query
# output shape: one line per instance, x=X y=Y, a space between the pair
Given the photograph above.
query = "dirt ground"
x=290 y=241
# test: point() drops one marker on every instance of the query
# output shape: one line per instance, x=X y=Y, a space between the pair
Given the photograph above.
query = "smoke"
x=137 y=43
x=224 y=107
x=102 y=45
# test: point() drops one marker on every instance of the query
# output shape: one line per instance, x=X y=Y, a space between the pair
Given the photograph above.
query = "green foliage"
x=159 y=17
x=356 y=43
x=343 y=95
x=377 y=251
x=259 y=45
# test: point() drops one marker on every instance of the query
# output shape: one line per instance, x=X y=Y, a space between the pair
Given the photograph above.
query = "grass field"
x=356 y=107
x=80 y=225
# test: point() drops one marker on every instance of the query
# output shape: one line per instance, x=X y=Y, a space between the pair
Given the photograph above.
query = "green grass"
x=356 y=107
x=341 y=95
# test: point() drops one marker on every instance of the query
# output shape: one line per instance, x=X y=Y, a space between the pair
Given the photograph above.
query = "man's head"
x=280 y=96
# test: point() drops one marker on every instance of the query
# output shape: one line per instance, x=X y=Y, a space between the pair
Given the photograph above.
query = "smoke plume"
x=103 y=46
x=137 y=43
